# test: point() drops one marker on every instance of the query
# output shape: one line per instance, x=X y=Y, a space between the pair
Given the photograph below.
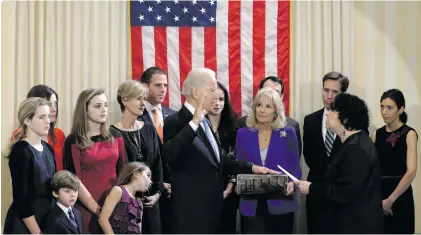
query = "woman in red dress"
x=92 y=152
x=55 y=135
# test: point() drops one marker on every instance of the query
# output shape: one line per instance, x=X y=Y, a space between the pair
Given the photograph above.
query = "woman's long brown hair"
x=129 y=169
x=80 y=126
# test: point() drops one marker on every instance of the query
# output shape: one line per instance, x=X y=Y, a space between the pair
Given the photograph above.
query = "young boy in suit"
x=64 y=218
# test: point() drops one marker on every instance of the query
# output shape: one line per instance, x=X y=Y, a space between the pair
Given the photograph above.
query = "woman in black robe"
x=352 y=186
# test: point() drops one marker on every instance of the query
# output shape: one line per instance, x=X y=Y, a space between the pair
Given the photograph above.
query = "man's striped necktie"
x=329 y=140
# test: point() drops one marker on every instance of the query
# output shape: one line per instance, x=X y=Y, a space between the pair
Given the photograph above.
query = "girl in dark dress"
x=142 y=144
x=122 y=212
x=396 y=144
x=223 y=120
x=92 y=152
x=31 y=163
x=55 y=136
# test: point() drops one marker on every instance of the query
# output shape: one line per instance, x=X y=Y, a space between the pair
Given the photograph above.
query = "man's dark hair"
x=273 y=79
x=353 y=111
x=336 y=76
x=148 y=74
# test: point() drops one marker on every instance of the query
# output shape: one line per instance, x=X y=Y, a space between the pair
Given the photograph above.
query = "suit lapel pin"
x=283 y=134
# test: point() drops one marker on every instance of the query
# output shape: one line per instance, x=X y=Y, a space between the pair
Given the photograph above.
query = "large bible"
x=253 y=184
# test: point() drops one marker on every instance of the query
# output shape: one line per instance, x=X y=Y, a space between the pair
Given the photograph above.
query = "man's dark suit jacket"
x=164 y=202
x=290 y=122
x=196 y=175
x=317 y=160
x=314 y=147
x=57 y=222
x=166 y=112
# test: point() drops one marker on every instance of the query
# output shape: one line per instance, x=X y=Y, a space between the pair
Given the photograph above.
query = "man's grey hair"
x=196 y=79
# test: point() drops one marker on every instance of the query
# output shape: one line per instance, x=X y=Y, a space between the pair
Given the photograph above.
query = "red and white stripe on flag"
x=251 y=40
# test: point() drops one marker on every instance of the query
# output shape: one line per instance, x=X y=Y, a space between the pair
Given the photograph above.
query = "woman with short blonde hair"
x=129 y=90
x=141 y=145
x=268 y=142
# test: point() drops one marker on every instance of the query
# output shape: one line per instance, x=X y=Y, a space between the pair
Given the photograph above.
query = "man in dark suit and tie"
x=194 y=155
x=276 y=84
x=320 y=146
x=154 y=114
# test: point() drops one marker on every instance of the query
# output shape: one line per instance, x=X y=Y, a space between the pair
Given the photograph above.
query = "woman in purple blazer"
x=267 y=141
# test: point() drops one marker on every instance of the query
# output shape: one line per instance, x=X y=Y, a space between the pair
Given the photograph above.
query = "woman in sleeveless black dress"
x=396 y=146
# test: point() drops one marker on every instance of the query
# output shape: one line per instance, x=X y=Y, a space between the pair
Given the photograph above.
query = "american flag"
x=243 y=41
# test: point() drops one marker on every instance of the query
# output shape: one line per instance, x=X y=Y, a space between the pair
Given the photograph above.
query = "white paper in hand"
x=287 y=173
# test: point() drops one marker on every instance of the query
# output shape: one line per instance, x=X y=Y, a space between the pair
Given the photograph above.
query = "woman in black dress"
x=142 y=144
x=352 y=186
x=223 y=120
x=396 y=144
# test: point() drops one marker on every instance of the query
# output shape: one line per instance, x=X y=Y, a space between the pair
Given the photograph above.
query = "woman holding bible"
x=268 y=142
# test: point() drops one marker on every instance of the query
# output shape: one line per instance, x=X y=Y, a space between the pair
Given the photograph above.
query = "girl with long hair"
x=122 y=211
x=93 y=152
x=55 y=135
x=32 y=165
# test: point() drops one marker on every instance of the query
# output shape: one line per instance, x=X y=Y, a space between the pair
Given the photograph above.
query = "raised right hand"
x=199 y=112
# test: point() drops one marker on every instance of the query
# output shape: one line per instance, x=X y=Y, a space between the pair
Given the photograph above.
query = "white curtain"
x=67 y=45
x=73 y=45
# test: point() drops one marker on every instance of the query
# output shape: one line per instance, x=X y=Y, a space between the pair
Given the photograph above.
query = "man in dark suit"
x=64 y=218
x=154 y=114
x=276 y=84
x=194 y=155
x=320 y=146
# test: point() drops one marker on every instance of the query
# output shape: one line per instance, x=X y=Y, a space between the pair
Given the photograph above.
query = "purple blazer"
x=282 y=150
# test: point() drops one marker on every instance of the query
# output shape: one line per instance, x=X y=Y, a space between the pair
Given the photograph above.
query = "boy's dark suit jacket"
x=57 y=222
